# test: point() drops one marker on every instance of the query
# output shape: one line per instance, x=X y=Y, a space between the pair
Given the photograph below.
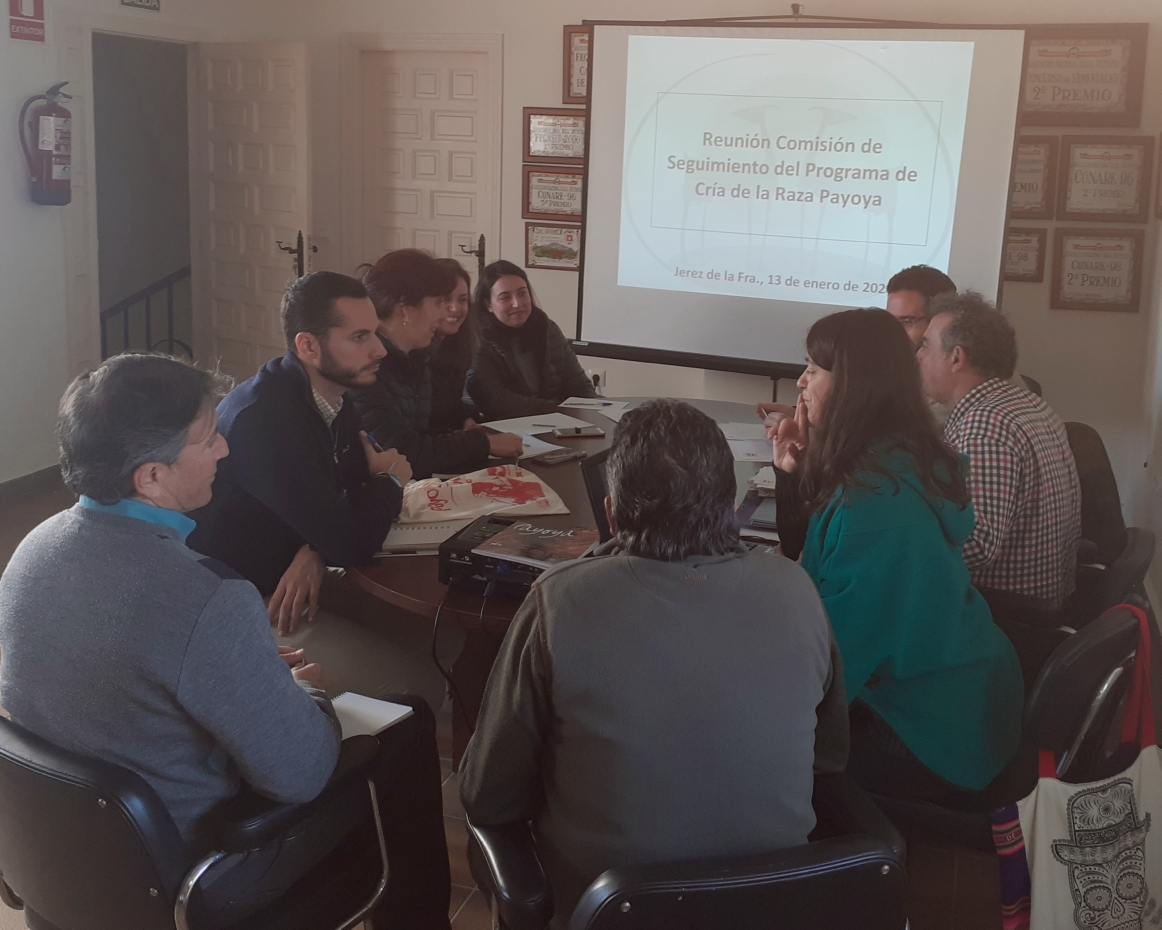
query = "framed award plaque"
x=1105 y=179
x=552 y=193
x=554 y=247
x=1087 y=74
x=575 y=80
x=1097 y=269
x=554 y=135
x=1034 y=194
x=1025 y=254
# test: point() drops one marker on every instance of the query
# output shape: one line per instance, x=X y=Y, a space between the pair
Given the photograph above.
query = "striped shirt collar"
x=159 y=516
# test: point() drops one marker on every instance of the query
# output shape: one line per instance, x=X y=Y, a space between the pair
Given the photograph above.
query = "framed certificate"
x=554 y=247
x=1034 y=194
x=1087 y=74
x=1025 y=254
x=1105 y=178
x=575 y=80
x=1097 y=269
x=554 y=135
x=552 y=193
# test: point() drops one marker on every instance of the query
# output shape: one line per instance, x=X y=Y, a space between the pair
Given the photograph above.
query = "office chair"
x=851 y=874
x=1113 y=558
x=88 y=845
x=1070 y=711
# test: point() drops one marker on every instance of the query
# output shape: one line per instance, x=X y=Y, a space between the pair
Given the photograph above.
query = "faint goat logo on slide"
x=1106 y=857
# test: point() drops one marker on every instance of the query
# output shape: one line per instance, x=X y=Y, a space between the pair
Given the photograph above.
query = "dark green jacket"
x=919 y=645
x=522 y=372
x=396 y=411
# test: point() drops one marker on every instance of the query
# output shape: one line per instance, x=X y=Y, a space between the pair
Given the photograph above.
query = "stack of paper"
x=751 y=450
x=607 y=408
x=541 y=423
x=419 y=538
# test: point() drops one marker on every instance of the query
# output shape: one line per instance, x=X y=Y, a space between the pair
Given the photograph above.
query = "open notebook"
x=359 y=715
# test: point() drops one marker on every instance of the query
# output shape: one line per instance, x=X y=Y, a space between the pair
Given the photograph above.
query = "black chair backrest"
x=1072 y=677
x=1101 y=507
x=87 y=845
x=834 y=884
x=597 y=488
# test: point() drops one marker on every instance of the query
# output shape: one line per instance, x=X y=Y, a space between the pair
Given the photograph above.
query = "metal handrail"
x=145 y=294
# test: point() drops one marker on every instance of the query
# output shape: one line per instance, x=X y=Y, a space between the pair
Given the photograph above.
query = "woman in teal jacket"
x=934 y=686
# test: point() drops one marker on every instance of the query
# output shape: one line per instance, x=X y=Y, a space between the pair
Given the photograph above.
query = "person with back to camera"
x=410 y=291
x=670 y=697
x=934 y=686
x=525 y=365
x=453 y=349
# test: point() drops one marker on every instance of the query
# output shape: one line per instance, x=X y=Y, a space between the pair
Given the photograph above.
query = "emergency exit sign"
x=154 y=5
x=26 y=20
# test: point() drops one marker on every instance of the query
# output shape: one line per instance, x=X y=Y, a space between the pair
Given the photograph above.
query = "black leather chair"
x=1113 y=559
x=1070 y=711
x=850 y=875
x=87 y=845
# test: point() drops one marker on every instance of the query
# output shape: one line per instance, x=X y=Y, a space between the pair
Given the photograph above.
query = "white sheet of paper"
x=541 y=423
x=751 y=450
x=743 y=430
x=595 y=403
x=534 y=445
x=359 y=715
x=615 y=413
x=764 y=478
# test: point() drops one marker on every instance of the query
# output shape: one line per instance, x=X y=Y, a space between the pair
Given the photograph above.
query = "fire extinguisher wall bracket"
x=46 y=137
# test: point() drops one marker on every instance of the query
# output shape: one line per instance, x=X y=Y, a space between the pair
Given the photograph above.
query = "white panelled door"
x=427 y=151
x=250 y=189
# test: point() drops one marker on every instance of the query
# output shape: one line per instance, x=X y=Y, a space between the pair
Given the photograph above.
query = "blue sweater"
x=290 y=480
x=918 y=642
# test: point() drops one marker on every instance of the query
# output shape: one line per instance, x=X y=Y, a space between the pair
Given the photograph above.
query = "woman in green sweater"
x=934 y=686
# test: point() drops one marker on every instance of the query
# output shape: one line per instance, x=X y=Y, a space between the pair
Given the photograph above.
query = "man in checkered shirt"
x=1022 y=476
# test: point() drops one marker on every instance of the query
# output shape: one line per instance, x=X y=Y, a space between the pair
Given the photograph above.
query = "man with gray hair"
x=668 y=698
x=120 y=643
x=1022 y=476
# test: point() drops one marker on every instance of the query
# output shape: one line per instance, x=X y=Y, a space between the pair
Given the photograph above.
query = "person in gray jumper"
x=120 y=643
x=668 y=698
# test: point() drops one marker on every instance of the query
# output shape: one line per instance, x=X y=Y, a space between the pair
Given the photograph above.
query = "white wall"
x=1099 y=368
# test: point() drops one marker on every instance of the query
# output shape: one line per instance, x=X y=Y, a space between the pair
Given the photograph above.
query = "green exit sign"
x=154 y=5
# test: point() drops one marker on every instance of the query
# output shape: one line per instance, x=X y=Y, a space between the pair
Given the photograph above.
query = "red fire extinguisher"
x=46 y=134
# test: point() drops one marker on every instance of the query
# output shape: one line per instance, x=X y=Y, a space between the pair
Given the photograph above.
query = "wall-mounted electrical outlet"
x=597 y=377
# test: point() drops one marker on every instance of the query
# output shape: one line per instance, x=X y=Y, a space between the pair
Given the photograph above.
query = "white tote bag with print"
x=1095 y=850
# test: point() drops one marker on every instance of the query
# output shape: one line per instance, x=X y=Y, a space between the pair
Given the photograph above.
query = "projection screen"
x=744 y=181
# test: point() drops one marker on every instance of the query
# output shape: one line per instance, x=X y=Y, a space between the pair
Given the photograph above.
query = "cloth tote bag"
x=1094 y=851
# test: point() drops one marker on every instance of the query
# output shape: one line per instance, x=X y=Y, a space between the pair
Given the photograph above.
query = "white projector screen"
x=744 y=181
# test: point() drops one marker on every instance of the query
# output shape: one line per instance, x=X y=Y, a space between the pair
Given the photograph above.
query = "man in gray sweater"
x=120 y=643
x=670 y=698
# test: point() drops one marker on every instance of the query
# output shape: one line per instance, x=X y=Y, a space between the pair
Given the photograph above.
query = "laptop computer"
x=597 y=488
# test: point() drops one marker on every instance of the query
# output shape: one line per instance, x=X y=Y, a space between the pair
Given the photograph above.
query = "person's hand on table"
x=471 y=424
x=505 y=445
x=387 y=462
x=297 y=593
x=312 y=674
x=790 y=436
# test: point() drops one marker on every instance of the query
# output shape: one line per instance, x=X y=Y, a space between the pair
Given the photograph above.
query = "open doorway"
x=142 y=162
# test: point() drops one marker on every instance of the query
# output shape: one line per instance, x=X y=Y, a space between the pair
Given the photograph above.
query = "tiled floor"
x=949 y=889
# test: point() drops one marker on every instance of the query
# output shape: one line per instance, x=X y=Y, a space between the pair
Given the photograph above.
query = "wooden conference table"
x=412 y=583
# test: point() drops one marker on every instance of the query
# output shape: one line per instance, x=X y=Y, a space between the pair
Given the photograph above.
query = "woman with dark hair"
x=453 y=349
x=525 y=365
x=934 y=686
x=410 y=289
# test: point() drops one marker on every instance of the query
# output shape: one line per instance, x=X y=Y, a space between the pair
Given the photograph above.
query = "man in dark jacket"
x=525 y=365
x=668 y=699
x=304 y=489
